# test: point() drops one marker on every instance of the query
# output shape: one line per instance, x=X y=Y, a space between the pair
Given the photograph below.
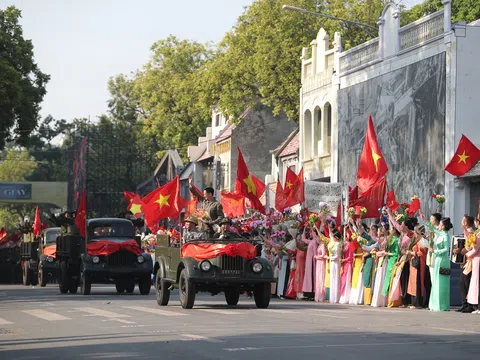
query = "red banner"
x=108 y=247
x=50 y=251
x=210 y=251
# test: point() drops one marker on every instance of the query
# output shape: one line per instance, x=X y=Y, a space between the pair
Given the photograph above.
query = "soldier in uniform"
x=208 y=203
x=225 y=233
x=190 y=232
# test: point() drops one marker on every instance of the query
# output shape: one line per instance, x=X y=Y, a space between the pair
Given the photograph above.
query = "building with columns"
x=419 y=82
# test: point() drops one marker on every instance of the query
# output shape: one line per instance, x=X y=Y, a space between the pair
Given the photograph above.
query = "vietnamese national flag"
x=128 y=196
x=297 y=194
x=3 y=233
x=250 y=188
x=372 y=199
x=372 y=166
x=37 y=223
x=163 y=202
x=352 y=194
x=290 y=181
x=281 y=198
x=80 y=218
x=191 y=207
x=233 y=204
x=136 y=205
x=392 y=201
x=466 y=156
x=414 y=207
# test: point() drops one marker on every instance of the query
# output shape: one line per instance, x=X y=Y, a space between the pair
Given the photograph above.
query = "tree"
x=15 y=165
x=462 y=10
x=259 y=60
x=22 y=84
x=168 y=92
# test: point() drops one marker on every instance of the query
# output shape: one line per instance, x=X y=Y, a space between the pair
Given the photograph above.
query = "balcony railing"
x=360 y=55
x=318 y=165
x=422 y=30
x=317 y=81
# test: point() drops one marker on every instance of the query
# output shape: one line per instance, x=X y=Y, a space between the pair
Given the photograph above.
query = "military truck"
x=109 y=254
x=231 y=275
x=47 y=270
x=10 y=261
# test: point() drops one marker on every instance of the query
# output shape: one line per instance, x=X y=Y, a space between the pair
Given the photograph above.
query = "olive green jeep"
x=231 y=275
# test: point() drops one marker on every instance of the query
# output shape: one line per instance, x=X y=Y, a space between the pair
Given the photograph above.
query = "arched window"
x=307 y=134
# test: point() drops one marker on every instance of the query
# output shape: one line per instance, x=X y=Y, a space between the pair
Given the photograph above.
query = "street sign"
x=12 y=191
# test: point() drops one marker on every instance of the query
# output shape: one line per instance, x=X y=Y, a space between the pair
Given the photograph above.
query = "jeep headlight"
x=49 y=259
x=95 y=259
x=140 y=259
x=205 y=265
x=257 y=267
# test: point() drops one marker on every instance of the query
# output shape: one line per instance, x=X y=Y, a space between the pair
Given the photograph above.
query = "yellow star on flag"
x=163 y=201
x=250 y=184
x=288 y=184
x=463 y=158
x=375 y=157
x=136 y=208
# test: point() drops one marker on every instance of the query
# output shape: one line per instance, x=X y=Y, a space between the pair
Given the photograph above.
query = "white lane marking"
x=100 y=312
x=455 y=330
x=202 y=338
x=154 y=311
x=45 y=315
x=5 y=322
x=122 y=321
x=317 y=311
x=280 y=311
x=342 y=345
x=223 y=312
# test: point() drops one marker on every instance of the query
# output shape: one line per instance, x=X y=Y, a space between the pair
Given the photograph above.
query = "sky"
x=82 y=43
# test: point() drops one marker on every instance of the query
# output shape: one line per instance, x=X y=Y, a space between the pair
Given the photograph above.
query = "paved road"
x=40 y=323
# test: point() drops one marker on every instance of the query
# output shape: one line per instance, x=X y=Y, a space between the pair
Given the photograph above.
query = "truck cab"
x=47 y=260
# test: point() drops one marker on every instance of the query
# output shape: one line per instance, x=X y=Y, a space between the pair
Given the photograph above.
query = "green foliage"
x=462 y=10
x=260 y=58
x=168 y=92
x=22 y=84
x=16 y=165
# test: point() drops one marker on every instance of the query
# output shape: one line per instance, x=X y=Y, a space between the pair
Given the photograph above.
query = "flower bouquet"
x=313 y=219
x=324 y=209
x=363 y=211
x=440 y=199
x=351 y=211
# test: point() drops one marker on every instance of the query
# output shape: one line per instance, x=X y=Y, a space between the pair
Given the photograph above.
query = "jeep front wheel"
x=120 y=287
x=232 y=296
x=86 y=282
x=186 y=290
x=63 y=279
x=162 y=290
x=42 y=279
x=145 y=284
x=261 y=294
x=26 y=273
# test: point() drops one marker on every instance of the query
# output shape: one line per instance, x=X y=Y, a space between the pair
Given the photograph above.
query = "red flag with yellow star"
x=281 y=198
x=128 y=196
x=233 y=204
x=163 y=202
x=290 y=180
x=248 y=185
x=372 y=166
x=136 y=205
x=466 y=156
x=372 y=199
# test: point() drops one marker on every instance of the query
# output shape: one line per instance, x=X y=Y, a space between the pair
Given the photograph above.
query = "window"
x=217 y=120
x=329 y=120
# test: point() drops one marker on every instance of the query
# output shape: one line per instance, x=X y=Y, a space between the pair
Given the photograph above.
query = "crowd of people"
x=394 y=263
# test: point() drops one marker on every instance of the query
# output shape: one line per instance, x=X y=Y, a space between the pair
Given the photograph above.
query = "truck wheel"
x=63 y=279
x=26 y=273
x=130 y=287
x=42 y=280
x=73 y=286
x=120 y=287
x=186 y=290
x=145 y=284
x=86 y=282
x=162 y=290
x=33 y=277
x=261 y=294
x=232 y=296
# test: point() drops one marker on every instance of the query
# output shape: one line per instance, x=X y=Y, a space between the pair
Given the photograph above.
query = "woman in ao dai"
x=335 y=252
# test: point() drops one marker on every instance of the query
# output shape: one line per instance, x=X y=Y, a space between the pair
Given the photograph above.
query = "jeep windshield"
x=120 y=231
x=51 y=236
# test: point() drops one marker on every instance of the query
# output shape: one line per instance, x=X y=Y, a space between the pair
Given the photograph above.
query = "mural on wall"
x=408 y=108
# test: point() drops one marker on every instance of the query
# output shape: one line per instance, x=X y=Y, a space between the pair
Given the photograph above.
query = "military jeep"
x=80 y=265
x=227 y=274
x=47 y=270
